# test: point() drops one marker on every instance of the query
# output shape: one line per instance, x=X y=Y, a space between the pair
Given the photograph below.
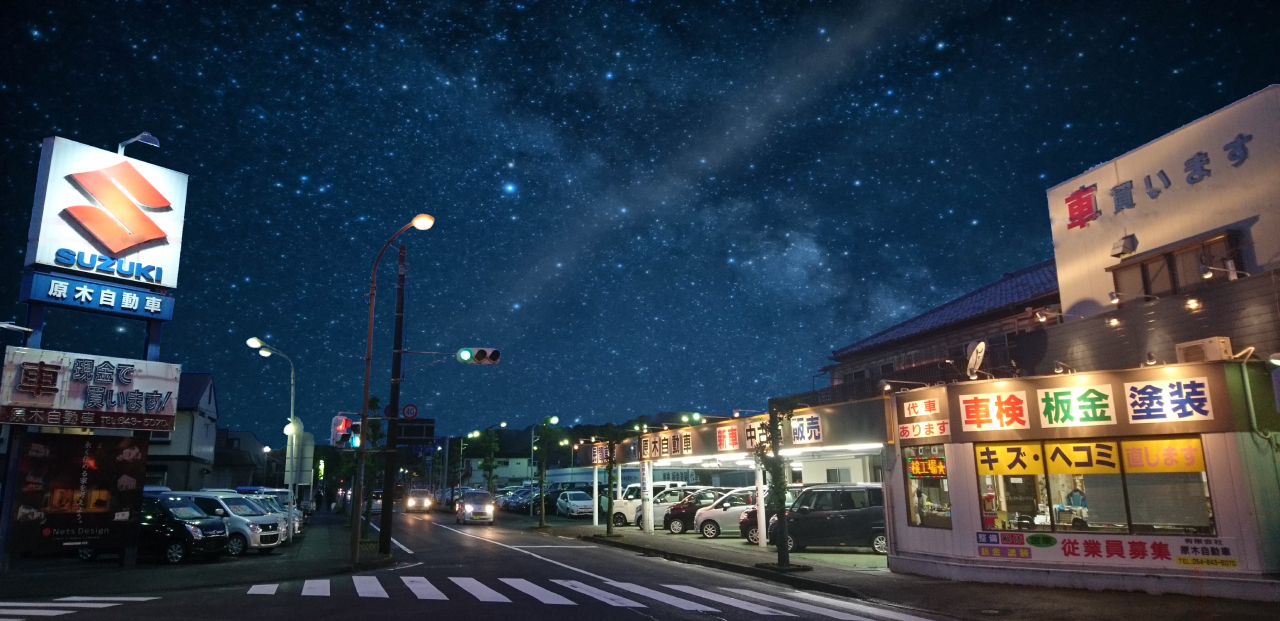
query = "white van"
x=631 y=499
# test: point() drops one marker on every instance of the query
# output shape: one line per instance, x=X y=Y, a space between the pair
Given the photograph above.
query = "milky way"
x=646 y=205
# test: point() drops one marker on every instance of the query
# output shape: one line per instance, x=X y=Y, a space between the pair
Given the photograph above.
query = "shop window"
x=1159 y=281
x=928 y=493
x=1086 y=488
x=860 y=374
x=1129 y=282
x=1012 y=486
x=886 y=368
x=1178 y=270
x=838 y=475
x=1167 y=486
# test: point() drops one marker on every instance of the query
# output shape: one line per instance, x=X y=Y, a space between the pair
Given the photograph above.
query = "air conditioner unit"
x=1205 y=350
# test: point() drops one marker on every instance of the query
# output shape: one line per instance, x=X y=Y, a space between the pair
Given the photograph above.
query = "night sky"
x=646 y=206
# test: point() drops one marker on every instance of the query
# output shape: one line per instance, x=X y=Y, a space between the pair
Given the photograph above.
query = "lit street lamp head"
x=265 y=353
x=254 y=342
x=423 y=222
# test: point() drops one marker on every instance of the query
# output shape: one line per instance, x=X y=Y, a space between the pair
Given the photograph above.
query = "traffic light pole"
x=393 y=431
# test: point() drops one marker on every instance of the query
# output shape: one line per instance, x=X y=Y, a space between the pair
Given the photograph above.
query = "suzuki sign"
x=108 y=215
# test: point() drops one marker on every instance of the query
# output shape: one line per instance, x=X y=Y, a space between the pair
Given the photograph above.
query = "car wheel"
x=677 y=526
x=266 y=550
x=880 y=544
x=619 y=519
x=640 y=523
x=237 y=544
x=174 y=553
x=710 y=529
x=87 y=554
x=792 y=546
x=753 y=536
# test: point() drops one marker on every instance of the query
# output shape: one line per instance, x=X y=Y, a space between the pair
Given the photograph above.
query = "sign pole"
x=393 y=427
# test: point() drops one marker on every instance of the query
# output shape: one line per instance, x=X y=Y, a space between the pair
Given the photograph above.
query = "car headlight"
x=254 y=528
x=488 y=508
x=195 y=532
x=468 y=508
x=411 y=502
x=426 y=503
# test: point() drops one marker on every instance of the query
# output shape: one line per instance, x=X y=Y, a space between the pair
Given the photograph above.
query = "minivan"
x=840 y=514
x=631 y=499
x=248 y=525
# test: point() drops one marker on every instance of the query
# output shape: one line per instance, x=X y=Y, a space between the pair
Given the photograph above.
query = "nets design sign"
x=78 y=490
x=59 y=389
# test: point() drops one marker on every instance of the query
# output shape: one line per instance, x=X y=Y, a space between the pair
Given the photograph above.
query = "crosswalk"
x=23 y=611
x=558 y=592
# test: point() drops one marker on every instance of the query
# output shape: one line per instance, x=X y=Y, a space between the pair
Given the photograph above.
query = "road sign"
x=410 y=411
x=416 y=431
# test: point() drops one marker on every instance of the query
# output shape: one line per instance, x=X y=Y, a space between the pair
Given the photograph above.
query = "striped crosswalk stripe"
x=537 y=592
x=604 y=596
x=316 y=587
x=263 y=589
x=843 y=616
x=728 y=601
x=863 y=608
x=368 y=586
x=480 y=591
x=672 y=600
x=421 y=588
x=6 y=605
x=81 y=598
x=36 y=612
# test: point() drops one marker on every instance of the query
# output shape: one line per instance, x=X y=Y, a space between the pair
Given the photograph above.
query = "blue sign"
x=95 y=296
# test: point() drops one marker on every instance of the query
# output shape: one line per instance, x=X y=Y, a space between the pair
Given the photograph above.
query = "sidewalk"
x=322 y=550
x=866 y=577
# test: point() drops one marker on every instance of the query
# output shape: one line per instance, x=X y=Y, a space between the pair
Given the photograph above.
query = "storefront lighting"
x=1115 y=297
x=1058 y=367
x=1274 y=359
x=1193 y=304
x=1151 y=359
x=1113 y=322
x=745 y=462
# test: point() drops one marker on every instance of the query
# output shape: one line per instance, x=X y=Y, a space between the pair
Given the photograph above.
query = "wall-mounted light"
x=1113 y=322
x=1058 y=367
x=1115 y=297
x=1274 y=359
x=1206 y=272
x=1151 y=359
x=1193 y=304
x=1045 y=314
x=887 y=385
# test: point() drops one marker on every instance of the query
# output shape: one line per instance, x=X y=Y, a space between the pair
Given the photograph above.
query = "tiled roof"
x=191 y=387
x=1015 y=288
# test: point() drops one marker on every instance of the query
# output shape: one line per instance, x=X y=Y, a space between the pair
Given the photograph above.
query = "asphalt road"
x=481 y=572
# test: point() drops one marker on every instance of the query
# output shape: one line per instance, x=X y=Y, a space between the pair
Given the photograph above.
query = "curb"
x=792 y=580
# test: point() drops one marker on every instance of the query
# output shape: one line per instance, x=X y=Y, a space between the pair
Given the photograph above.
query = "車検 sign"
x=107 y=215
x=59 y=389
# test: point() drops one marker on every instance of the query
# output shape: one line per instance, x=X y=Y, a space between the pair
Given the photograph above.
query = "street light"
x=421 y=222
x=292 y=430
x=144 y=138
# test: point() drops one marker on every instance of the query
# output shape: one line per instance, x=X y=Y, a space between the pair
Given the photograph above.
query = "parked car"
x=176 y=529
x=712 y=519
x=679 y=517
x=419 y=500
x=747 y=527
x=663 y=500
x=626 y=506
x=375 y=501
x=572 y=503
x=475 y=506
x=272 y=506
x=248 y=525
x=448 y=499
x=837 y=514
x=518 y=500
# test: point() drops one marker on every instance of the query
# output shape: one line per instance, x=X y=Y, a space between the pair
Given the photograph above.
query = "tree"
x=767 y=454
x=612 y=436
x=546 y=439
x=488 y=442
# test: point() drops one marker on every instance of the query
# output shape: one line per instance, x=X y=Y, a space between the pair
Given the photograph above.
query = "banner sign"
x=727 y=438
x=59 y=389
x=78 y=490
x=95 y=296
x=1106 y=550
x=806 y=429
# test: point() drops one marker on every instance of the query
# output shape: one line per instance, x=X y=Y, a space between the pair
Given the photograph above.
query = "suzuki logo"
x=119 y=224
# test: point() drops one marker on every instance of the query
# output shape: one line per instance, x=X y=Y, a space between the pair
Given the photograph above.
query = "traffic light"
x=339 y=431
x=479 y=355
x=355 y=434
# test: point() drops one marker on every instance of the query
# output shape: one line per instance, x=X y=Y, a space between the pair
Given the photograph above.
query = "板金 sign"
x=60 y=389
x=105 y=214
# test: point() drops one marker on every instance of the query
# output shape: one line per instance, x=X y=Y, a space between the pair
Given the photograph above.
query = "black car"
x=839 y=514
x=174 y=528
x=747 y=521
x=679 y=517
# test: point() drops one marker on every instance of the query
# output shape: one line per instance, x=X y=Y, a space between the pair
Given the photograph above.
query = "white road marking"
x=422 y=588
x=562 y=547
x=604 y=596
x=4 y=605
x=537 y=592
x=863 y=608
x=672 y=600
x=316 y=587
x=263 y=589
x=393 y=539
x=37 y=612
x=569 y=567
x=728 y=601
x=78 y=598
x=480 y=591
x=368 y=586
x=843 y=616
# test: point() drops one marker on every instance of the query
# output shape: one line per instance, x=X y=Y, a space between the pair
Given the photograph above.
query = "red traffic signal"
x=340 y=431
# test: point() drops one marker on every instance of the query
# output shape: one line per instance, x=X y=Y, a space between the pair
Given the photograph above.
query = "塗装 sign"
x=60 y=389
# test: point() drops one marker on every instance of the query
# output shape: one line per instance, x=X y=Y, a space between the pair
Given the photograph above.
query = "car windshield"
x=243 y=507
x=577 y=496
x=268 y=503
x=183 y=509
x=418 y=493
x=477 y=497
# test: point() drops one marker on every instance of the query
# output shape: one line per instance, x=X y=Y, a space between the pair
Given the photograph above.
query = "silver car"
x=248 y=525
x=476 y=506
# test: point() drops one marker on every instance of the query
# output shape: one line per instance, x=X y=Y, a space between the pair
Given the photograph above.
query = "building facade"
x=183 y=459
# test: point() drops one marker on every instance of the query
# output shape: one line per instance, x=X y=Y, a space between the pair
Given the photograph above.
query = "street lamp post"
x=542 y=471
x=292 y=430
x=421 y=222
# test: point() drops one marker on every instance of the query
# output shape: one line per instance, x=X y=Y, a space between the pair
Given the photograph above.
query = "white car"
x=712 y=519
x=573 y=502
x=631 y=499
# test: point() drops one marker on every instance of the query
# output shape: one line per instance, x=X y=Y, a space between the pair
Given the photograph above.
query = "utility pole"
x=393 y=427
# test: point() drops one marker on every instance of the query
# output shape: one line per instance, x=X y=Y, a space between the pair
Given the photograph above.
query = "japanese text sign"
x=599 y=453
x=727 y=438
x=757 y=432
x=1010 y=459
x=932 y=467
x=1107 y=550
x=59 y=389
x=95 y=296
x=1094 y=457
x=102 y=213
x=931 y=429
x=806 y=429
x=926 y=407
x=1168 y=401
x=994 y=411
x=666 y=445
x=1164 y=455
x=1080 y=406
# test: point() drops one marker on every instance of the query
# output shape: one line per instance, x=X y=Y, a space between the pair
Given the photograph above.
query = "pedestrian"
x=319 y=499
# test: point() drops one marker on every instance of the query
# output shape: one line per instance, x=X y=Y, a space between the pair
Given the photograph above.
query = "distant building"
x=183 y=459
x=240 y=459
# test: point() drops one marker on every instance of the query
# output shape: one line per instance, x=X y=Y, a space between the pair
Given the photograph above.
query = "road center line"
x=510 y=547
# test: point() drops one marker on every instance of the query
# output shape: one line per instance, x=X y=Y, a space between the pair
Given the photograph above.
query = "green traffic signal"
x=479 y=355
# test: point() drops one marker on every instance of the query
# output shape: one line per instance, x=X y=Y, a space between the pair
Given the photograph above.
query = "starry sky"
x=646 y=206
